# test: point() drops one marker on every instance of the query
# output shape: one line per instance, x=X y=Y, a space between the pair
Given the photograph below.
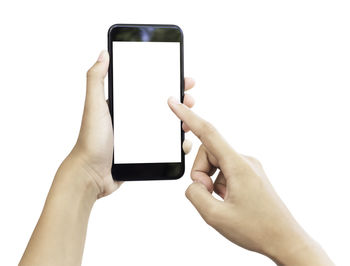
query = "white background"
x=145 y=129
x=273 y=76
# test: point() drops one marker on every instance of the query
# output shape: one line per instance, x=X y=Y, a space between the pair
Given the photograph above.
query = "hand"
x=93 y=151
x=251 y=213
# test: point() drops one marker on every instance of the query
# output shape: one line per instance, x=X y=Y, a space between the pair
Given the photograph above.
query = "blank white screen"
x=145 y=74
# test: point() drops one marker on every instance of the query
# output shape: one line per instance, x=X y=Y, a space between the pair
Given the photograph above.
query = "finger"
x=203 y=168
x=189 y=100
x=207 y=134
x=220 y=185
x=203 y=201
x=95 y=81
x=185 y=127
x=187 y=146
x=189 y=83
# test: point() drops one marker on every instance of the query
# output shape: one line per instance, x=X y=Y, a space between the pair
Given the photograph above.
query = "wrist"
x=73 y=180
x=298 y=248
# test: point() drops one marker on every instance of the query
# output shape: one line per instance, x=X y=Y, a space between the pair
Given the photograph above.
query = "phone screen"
x=145 y=75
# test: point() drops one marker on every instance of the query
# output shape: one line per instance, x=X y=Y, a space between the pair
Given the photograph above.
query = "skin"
x=83 y=177
x=250 y=215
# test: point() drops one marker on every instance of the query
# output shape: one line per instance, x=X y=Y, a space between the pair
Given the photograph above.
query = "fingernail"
x=102 y=56
x=173 y=101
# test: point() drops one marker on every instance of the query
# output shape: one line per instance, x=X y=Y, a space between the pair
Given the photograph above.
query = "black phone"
x=146 y=67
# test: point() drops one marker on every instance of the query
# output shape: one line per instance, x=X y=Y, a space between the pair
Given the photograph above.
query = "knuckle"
x=91 y=73
x=256 y=161
x=188 y=192
x=253 y=160
x=240 y=166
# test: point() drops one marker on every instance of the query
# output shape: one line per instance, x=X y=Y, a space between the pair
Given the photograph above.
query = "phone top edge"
x=140 y=25
x=124 y=25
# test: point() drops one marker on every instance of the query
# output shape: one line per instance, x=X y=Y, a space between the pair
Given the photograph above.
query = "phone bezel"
x=145 y=171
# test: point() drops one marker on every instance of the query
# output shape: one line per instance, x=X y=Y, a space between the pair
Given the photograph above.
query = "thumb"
x=95 y=81
x=207 y=206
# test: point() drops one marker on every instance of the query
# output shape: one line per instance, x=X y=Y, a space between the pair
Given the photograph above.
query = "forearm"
x=311 y=254
x=297 y=248
x=59 y=236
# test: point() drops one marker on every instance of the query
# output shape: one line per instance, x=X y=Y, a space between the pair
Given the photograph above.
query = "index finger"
x=206 y=133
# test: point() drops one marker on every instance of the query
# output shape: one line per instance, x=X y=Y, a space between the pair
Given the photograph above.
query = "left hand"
x=93 y=151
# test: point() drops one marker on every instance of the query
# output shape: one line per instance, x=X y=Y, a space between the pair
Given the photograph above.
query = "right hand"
x=251 y=213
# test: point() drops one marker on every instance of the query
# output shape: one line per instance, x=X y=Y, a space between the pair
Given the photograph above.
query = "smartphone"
x=146 y=67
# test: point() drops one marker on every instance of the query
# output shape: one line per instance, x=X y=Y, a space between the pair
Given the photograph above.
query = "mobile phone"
x=146 y=67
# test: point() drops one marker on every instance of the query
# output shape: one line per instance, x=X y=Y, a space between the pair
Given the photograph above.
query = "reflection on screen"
x=145 y=74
